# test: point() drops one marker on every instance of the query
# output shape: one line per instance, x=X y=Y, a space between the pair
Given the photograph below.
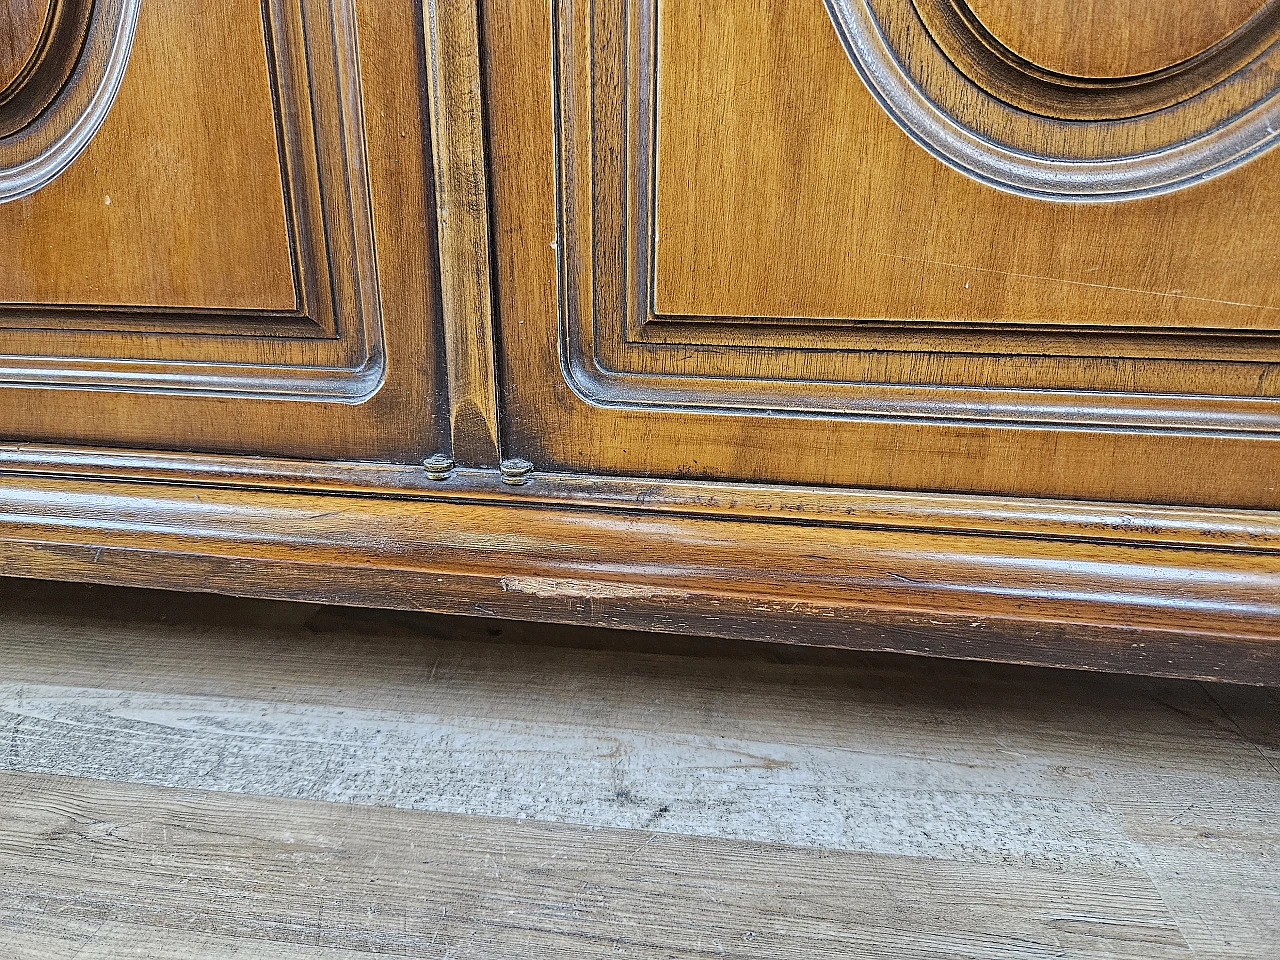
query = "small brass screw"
x=516 y=472
x=438 y=467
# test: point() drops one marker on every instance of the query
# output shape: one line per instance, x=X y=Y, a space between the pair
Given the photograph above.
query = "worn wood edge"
x=1093 y=521
x=1139 y=609
x=351 y=384
x=462 y=204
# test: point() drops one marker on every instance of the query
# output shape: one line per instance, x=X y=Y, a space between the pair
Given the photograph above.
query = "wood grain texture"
x=191 y=777
x=1134 y=525
x=1111 y=38
x=178 y=201
x=22 y=27
x=352 y=152
x=1009 y=123
x=54 y=103
x=1154 y=609
x=463 y=217
x=325 y=339
x=597 y=381
x=914 y=470
x=390 y=883
x=783 y=190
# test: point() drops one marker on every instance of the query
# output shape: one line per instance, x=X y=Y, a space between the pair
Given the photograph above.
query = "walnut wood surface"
x=1111 y=38
x=1163 y=609
x=783 y=190
x=22 y=26
x=777 y=372
x=53 y=104
x=178 y=200
x=462 y=208
x=1026 y=407
x=269 y=166
x=1135 y=525
x=1006 y=122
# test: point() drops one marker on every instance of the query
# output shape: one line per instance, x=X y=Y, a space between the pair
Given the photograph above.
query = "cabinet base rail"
x=1175 y=591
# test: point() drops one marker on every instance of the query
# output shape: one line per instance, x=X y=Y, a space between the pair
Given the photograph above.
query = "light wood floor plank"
x=207 y=776
x=422 y=884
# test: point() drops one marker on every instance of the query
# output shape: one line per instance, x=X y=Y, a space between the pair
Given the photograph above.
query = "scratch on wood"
x=557 y=587
x=1171 y=294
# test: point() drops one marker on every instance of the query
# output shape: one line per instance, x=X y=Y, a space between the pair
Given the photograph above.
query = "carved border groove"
x=616 y=352
x=978 y=108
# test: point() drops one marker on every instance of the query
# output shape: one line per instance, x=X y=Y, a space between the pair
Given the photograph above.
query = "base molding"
x=1186 y=592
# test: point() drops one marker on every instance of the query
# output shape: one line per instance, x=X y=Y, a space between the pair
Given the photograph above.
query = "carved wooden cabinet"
x=945 y=326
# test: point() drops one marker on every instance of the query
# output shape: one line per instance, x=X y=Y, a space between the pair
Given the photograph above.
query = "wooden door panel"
x=749 y=271
x=174 y=222
x=241 y=256
x=783 y=190
x=165 y=208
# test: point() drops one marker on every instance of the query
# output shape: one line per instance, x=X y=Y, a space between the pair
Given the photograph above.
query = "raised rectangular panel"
x=758 y=275
x=165 y=209
x=773 y=212
x=782 y=189
x=214 y=236
x=241 y=259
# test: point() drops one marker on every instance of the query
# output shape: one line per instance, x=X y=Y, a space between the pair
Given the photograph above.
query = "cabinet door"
x=989 y=246
x=217 y=227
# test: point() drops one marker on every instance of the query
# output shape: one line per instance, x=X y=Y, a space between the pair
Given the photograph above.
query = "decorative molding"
x=1146 y=526
x=641 y=562
x=462 y=202
x=330 y=346
x=618 y=353
x=983 y=110
x=58 y=103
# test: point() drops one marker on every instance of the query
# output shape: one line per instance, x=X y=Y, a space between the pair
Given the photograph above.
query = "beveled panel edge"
x=353 y=378
x=332 y=385
x=29 y=161
x=1173 y=166
x=1200 y=613
x=591 y=373
x=1165 y=414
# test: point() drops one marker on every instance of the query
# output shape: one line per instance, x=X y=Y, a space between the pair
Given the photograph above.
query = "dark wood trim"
x=1156 y=608
x=462 y=205
x=1253 y=531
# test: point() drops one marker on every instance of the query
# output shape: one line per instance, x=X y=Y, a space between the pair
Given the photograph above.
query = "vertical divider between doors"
x=462 y=202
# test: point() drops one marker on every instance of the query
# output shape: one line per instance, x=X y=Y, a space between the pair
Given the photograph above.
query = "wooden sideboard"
x=941 y=326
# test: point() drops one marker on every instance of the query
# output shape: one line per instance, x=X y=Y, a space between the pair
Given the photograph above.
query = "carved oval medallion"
x=61 y=63
x=1084 y=111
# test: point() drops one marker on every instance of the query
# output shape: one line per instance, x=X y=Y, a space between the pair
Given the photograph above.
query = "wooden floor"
x=190 y=777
